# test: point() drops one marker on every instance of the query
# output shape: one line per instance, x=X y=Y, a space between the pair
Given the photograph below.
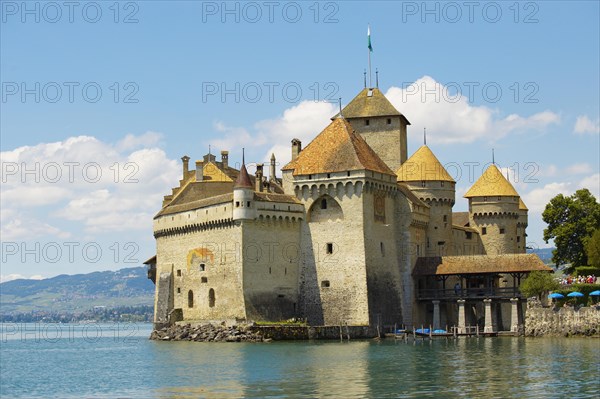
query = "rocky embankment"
x=564 y=321
x=208 y=333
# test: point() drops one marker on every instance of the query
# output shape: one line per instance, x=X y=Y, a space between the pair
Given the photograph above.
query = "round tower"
x=243 y=196
x=427 y=178
x=494 y=211
x=521 y=227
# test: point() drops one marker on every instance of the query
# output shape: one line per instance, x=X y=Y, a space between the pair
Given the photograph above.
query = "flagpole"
x=370 y=83
x=369 y=50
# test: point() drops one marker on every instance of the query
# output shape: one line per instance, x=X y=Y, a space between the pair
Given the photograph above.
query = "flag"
x=369 y=38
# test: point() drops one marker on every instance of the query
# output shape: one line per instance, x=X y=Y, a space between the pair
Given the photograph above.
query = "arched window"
x=190 y=299
x=211 y=298
x=324 y=203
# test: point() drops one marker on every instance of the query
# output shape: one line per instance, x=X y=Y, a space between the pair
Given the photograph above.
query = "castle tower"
x=243 y=196
x=494 y=211
x=345 y=186
x=427 y=178
x=380 y=124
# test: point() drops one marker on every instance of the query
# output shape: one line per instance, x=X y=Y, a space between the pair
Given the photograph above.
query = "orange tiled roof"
x=423 y=165
x=492 y=183
x=365 y=105
x=337 y=148
x=522 y=206
x=479 y=264
x=243 y=179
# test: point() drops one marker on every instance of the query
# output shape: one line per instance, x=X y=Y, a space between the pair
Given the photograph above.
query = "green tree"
x=592 y=249
x=571 y=223
x=538 y=283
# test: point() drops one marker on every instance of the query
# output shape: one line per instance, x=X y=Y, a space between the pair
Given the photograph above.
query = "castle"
x=354 y=231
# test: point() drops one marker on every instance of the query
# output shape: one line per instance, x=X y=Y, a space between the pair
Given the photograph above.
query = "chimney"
x=199 y=171
x=272 y=174
x=225 y=159
x=186 y=164
x=296 y=148
x=259 y=177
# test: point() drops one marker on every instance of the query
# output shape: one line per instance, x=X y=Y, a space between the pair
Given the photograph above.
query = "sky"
x=100 y=100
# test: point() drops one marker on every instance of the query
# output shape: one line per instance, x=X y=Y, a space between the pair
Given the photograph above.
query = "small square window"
x=329 y=175
x=329 y=249
x=518 y=238
x=204 y=280
x=366 y=122
x=237 y=204
x=502 y=230
x=202 y=267
x=483 y=231
x=178 y=272
x=325 y=283
x=323 y=203
x=248 y=204
x=469 y=235
x=389 y=121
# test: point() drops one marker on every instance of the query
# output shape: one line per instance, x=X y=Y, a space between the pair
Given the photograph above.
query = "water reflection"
x=458 y=368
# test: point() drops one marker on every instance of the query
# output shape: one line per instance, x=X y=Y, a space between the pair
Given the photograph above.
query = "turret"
x=428 y=180
x=382 y=126
x=243 y=196
x=494 y=211
x=185 y=161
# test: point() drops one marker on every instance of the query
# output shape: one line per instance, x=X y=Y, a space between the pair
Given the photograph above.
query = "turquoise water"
x=117 y=360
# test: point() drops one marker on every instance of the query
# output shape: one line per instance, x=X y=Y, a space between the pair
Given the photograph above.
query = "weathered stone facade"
x=334 y=241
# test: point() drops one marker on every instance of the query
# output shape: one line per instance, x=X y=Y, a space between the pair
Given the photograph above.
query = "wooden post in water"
x=341 y=335
x=477 y=330
x=430 y=332
x=347 y=331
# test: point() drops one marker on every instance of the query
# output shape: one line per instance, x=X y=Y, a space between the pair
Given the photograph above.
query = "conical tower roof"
x=492 y=183
x=522 y=206
x=243 y=179
x=338 y=148
x=369 y=103
x=423 y=165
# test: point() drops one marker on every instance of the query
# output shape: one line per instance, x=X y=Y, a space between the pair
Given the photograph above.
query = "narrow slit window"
x=329 y=249
x=323 y=203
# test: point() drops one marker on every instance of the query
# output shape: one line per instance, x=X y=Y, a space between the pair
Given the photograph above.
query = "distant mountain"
x=78 y=293
x=545 y=254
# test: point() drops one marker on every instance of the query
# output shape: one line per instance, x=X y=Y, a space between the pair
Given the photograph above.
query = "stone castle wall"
x=333 y=285
x=271 y=266
x=565 y=321
x=387 y=140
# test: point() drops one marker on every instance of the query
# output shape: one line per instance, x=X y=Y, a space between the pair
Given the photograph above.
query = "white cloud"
x=451 y=119
x=25 y=227
x=592 y=183
x=303 y=121
x=16 y=276
x=131 y=142
x=579 y=169
x=584 y=125
x=537 y=199
x=105 y=187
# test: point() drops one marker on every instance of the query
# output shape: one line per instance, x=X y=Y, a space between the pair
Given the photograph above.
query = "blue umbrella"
x=575 y=294
x=556 y=295
x=594 y=293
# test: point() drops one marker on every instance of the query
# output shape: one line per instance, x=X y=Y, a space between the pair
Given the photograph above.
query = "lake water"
x=117 y=360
